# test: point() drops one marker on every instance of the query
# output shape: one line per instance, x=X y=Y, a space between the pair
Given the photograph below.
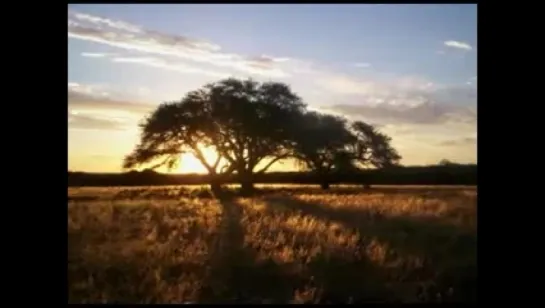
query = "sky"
x=409 y=69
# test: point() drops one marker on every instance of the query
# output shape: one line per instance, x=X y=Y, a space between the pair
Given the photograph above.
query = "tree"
x=326 y=144
x=319 y=141
x=373 y=148
x=446 y=162
x=245 y=122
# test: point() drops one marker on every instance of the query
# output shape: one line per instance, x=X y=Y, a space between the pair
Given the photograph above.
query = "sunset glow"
x=413 y=72
x=190 y=164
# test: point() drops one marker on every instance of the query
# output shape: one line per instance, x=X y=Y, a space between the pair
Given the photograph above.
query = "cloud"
x=425 y=113
x=411 y=99
x=93 y=55
x=79 y=121
x=458 y=45
x=472 y=81
x=379 y=90
x=143 y=91
x=136 y=38
x=170 y=65
x=418 y=114
x=362 y=64
x=95 y=98
x=104 y=21
x=460 y=142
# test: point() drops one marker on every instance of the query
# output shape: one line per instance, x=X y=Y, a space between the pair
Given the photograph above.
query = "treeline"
x=452 y=174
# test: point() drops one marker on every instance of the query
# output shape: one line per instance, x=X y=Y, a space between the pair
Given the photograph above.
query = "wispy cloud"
x=426 y=113
x=143 y=91
x=415 y=112
x=82 y=121
x=362 y=64
x=136 y=38
x=96 y=98
x=349 y=85
x=170 y=65
x=472 y=81
x=94 y=55
x=114 y=24
x=460 y=142
x=402 y=100
x=458 y=45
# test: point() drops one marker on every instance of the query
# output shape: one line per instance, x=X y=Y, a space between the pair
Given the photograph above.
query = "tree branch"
x=199 y=155
x=217 y=162
x=271 y=163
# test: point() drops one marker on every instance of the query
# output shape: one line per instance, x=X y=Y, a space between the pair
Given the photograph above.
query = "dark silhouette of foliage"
x=321 y=143
x=245 y=122
x=373 y=148
x=446 y=162
x=326 y=144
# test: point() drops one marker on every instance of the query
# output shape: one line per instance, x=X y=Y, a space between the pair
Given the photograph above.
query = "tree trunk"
x=215 y=187
x=324 y=178
x=246 y=184
x=247 y=188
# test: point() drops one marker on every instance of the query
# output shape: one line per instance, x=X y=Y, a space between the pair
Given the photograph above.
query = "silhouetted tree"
x=319 y=141
x=372 y=148
x=244 y=121
x=446 y=162
x=326 y=144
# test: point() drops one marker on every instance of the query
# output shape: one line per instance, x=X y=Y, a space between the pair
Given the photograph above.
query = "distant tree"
x=446 y=162
x=326 y=144
x=245 y=122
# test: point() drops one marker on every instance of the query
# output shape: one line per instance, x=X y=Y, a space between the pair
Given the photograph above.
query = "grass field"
x=290 y=244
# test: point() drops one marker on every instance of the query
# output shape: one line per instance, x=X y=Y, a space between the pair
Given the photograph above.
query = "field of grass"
x=289 y=244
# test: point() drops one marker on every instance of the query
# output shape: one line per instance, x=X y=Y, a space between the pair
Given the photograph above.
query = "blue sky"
x=411 y=69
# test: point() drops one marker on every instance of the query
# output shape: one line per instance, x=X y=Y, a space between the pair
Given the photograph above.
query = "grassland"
x=290 y=244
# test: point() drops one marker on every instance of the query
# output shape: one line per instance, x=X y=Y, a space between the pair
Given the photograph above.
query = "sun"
x=190 y=164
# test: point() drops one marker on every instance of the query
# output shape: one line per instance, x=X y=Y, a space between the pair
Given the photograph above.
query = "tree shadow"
x=236 y=276
x=449 y=252
x=327 y=266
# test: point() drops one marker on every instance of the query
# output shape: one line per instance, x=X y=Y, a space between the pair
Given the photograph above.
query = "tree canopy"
x=327 y=144
x=244 y=121
x=247 y=123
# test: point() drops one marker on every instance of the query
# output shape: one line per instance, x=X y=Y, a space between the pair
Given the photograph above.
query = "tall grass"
x=291 y=244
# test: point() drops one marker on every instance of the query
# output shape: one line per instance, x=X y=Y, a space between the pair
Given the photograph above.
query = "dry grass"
x=294 y=244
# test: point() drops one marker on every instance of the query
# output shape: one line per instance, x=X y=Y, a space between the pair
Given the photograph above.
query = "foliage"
x=242 y=120
x=326 y=144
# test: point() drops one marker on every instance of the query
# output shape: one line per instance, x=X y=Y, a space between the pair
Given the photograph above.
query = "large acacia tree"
x=244 y=121
x=327 y=144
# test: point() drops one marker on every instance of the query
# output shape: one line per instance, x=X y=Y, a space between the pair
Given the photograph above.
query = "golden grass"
x=136 y=251
x=293 y=244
